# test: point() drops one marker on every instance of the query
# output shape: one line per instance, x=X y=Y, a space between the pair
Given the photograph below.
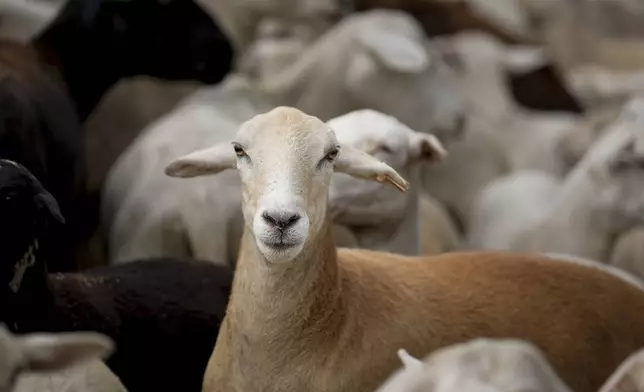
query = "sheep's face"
x=285 y=159
x=391 y=55
x=390 y=141
x=27 y=210
x=615 y=164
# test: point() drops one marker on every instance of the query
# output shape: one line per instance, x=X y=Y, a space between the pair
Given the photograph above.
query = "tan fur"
x=315 y=318
x=369 y=304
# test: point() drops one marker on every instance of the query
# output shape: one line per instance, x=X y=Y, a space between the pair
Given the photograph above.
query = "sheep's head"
x=391 y=54
x=615 y=167
x=285 y=159
x=46 y=352
x=390 y=141
x=28 y=213
x=489 y=365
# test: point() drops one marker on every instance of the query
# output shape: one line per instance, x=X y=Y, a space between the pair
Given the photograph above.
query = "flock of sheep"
x=297 y=195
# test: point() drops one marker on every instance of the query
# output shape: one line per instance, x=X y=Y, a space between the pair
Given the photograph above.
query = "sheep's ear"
x=48 y=352
x=521 y=59
x=426 y=147
x=359 y=164
x=397 y=52
x=407 y=360
x=203 y=162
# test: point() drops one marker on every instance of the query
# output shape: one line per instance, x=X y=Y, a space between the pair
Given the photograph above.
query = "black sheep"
x=163 y=314
x=48 y=90
x=95 y=43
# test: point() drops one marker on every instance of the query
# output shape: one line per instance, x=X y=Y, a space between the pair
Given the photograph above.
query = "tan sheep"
x=305 y=316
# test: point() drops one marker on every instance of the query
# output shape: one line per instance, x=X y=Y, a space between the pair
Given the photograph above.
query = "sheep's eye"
x=239 y=151
x=385 y=149
x=331 y=155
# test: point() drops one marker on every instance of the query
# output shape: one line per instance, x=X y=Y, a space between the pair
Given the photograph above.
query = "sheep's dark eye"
x=331 y=155
x=385 y=149
x=239 y=151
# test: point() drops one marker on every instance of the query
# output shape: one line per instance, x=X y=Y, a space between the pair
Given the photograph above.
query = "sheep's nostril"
x=280 y=219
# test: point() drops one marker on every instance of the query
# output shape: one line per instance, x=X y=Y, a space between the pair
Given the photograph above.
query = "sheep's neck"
x=269 y=299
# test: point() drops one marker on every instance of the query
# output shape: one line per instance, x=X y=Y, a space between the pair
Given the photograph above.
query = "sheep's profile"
x=54 y=362
x=304 y=315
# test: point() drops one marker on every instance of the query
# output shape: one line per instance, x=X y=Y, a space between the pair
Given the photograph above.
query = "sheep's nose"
x=281 y=219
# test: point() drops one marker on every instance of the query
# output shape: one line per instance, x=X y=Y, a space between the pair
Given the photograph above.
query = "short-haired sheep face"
x=46 y=352
x=483 y=364
x=285 y=159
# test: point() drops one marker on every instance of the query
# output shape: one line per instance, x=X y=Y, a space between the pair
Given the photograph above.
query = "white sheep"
x=304 y=315
x=499 y=136
x=478 y=365
x=384 y=218
x=56 y=362
x=147 y=214
x=629 y=376
x=581 y=215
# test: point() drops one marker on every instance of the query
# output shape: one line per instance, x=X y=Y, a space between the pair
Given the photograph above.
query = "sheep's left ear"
x=203 y=162
x=407 y=360
x=426 y=147
x=397 y=51
x=522 y=59
x=359 y=164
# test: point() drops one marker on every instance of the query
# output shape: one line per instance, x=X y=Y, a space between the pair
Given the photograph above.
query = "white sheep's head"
x=285 y=159
x=614 y=165
x=46 y=352
x=391 y=142
x=480 y=365
x=392 y=67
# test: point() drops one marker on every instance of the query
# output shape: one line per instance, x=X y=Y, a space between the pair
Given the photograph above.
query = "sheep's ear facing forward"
x=359 y=164
x=204 y=162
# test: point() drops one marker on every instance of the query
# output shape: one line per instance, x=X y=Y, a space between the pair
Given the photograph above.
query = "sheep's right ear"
x=203 y=162
x=407 y=360
x=53 y=351
x=359 y=164
x=396 y=51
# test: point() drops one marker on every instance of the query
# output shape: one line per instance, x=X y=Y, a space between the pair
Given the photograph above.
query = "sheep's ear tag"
x=399 y=183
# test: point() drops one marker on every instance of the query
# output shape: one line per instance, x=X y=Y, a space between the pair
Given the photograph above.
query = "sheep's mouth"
x=280 y=245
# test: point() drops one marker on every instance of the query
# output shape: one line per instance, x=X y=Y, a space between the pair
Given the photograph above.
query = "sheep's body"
x=304 y=315
x=511 y=203
x=438 y=233
x=168 y=216
x=477 y=365
x=596 y=201
x=503 y=281
x=628 y=252
x=21 y=20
